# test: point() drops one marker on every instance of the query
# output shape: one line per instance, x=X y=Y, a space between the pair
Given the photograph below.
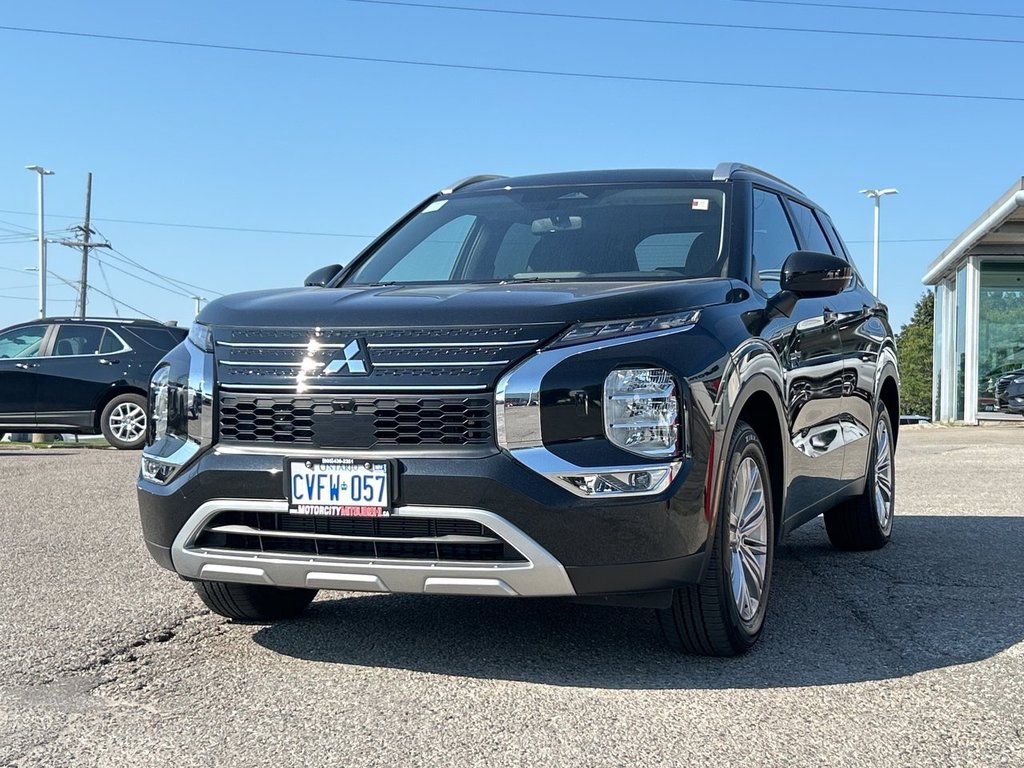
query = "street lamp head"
x=39 y=169
x=874 y=193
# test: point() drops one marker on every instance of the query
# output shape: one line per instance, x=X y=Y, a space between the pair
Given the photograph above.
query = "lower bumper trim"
x=539 y=575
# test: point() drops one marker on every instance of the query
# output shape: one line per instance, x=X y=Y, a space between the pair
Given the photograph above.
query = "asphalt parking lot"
x=905 y=657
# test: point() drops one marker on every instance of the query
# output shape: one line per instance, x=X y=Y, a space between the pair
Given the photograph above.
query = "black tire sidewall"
x=129 y=397
x=744 y=444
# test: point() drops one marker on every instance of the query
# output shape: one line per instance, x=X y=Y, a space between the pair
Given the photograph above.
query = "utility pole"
x=42 y=238
x=85 y=244
x=199 y=303
x=83 y=285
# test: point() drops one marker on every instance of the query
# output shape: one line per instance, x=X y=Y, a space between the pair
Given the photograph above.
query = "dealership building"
x=979 y=314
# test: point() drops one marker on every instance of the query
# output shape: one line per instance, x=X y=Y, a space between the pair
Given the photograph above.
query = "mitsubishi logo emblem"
x=352 y=360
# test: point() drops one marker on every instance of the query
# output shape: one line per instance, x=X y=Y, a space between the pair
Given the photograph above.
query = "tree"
x=914 y=343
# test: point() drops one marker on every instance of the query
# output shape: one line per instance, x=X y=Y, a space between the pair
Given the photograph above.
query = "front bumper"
x=571 y=545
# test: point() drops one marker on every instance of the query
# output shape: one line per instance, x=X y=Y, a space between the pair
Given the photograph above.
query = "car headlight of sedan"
x=642 y=411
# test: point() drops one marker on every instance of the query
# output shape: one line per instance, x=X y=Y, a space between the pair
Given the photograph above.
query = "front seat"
x=702 y=256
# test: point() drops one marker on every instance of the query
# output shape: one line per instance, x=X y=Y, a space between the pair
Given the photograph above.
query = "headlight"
x=605 y=329
x=159 y=399
x=1018 y=380
x=201 y=336
x=641 y=413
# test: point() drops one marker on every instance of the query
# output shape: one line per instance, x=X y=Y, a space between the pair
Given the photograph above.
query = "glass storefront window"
x=938 y=320
x=959 y=349
x=1000 y=335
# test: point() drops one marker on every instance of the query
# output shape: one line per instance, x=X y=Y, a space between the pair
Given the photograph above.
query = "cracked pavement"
x=911 y=656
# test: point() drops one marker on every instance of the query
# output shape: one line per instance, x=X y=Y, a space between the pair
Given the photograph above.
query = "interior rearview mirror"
x=322 y=276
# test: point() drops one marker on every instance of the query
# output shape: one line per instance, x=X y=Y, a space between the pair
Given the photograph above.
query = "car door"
x=810 y=351
x=82 y=364
x=863 y=328
x=19 y=361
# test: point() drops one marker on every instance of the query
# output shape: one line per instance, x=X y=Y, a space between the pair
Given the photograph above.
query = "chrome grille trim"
x=365 y=388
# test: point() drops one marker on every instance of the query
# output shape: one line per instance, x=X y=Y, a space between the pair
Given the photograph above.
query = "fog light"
x=157 y=471
x=626 y=482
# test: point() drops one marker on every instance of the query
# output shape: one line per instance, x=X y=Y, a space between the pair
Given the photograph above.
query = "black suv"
x=616 y=386
x=88 y=376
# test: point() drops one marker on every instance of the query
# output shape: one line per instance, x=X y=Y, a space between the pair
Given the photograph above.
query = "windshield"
x=589 y=232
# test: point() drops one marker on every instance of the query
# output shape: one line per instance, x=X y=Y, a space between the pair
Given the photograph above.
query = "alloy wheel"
x=127 y=422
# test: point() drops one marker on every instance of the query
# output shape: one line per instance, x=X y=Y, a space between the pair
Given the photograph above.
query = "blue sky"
x=256 y=141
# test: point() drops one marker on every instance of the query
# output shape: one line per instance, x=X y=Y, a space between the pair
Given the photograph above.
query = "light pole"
x=42 y=239
x=877 y=195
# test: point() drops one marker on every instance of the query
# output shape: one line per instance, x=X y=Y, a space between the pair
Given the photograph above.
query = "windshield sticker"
x=435 y=206
x=700 y=204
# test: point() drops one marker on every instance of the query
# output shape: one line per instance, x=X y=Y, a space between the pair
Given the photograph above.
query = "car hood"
x=401 y=338
x=462 y=304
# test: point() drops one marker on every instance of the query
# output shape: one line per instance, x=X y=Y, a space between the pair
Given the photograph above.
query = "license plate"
x=339 y=487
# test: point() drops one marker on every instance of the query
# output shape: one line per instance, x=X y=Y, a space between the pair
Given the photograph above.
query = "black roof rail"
x=125 y=320
x=470 y=180
x=724 y=172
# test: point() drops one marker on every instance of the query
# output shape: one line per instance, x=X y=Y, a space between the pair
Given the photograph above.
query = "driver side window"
x=26 y=341
x=773 y=241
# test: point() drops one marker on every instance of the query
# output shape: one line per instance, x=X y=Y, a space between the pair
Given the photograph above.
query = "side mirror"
x=321 y=277
x=809 y=274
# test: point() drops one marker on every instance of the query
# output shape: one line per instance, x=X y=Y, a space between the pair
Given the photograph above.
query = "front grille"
x=387 y=538
x=358 y=421
x=322 y=360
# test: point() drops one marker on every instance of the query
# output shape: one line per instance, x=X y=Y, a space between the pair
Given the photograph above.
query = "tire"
x=123 y=421
x=865 y=522
x=714 y=618
x=253 y=602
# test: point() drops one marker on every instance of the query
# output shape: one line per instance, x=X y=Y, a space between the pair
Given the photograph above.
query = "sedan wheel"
x=124 y=421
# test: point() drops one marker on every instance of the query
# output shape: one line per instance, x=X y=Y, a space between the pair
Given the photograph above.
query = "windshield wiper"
x=538 y=279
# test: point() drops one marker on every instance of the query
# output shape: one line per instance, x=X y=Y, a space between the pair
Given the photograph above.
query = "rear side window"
x=75 y=340
x=161 y=338
x=811 y=231
x=773 y=240
x=110 y=343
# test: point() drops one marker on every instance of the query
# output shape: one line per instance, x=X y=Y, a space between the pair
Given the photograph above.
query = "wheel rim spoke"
x=748 y=537
x=127 y=422
x=883 y=475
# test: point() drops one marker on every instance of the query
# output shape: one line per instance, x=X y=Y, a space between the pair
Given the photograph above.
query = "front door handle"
x=26 y=366
x=108 y=361
x=829 y=316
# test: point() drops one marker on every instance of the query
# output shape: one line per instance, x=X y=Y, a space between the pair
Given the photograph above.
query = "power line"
x=176 y=292
x=697 y=24
x=515 y=70
x=166 y=278
x=197 y=226
x=850 y=7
